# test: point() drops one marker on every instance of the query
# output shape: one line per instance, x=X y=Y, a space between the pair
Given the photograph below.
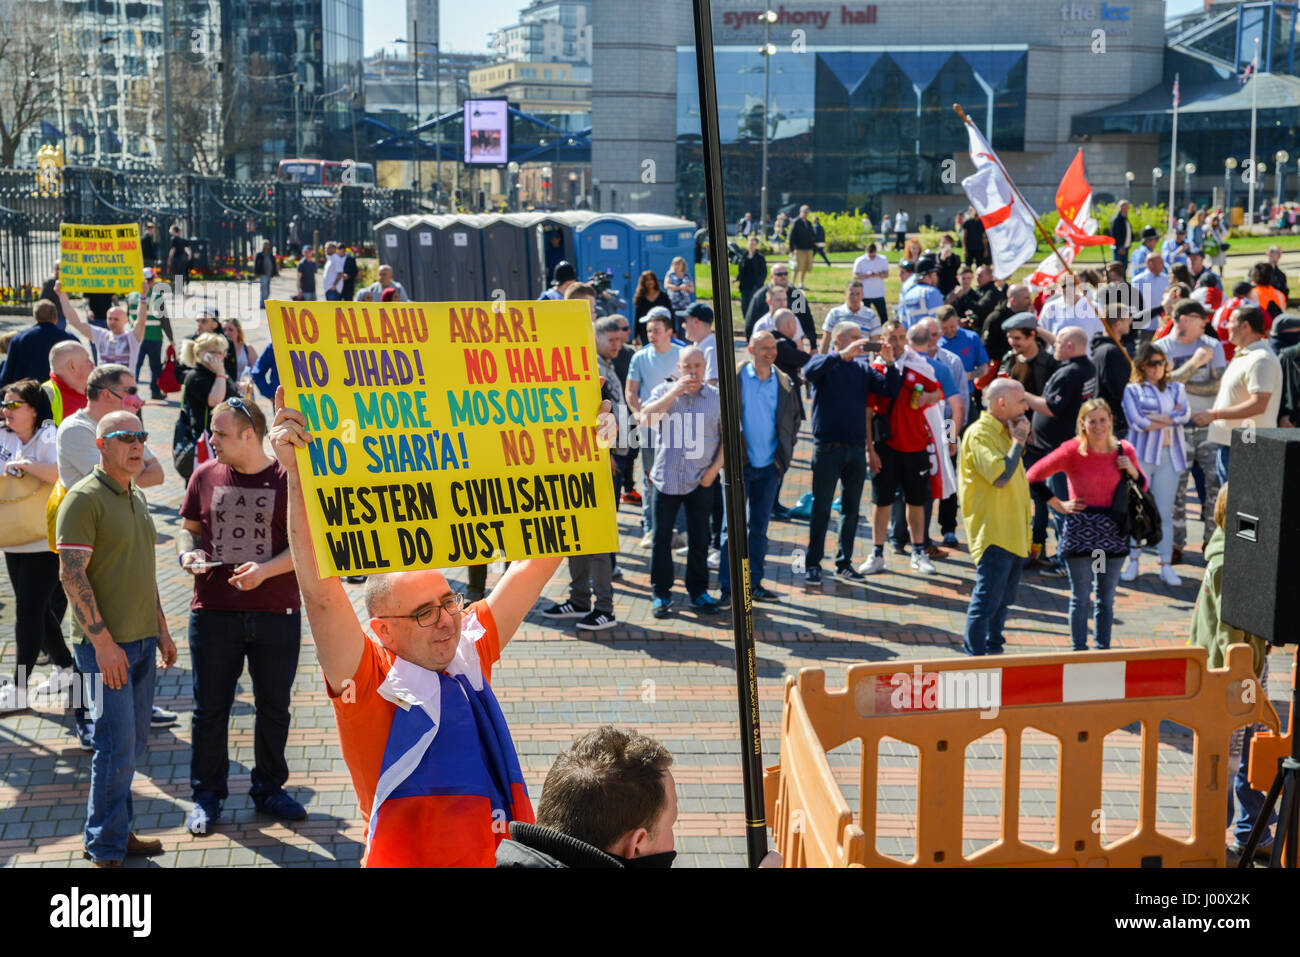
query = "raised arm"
x=73 y=317
x=339 y=639
x=141 y=317
x=517 y=592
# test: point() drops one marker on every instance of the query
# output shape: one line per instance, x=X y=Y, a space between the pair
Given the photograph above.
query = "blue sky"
x=465 y=25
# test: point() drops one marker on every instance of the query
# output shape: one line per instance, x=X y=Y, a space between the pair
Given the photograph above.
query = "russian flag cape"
x=450 y=778
x=943 y=477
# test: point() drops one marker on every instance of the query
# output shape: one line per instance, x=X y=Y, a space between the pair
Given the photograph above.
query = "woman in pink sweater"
x=1092 y=463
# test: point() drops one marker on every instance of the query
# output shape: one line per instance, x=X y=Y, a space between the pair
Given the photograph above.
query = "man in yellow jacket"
x=995 y=501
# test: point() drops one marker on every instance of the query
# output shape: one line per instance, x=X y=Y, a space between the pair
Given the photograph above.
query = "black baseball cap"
x=701 y=311
x=564 y=271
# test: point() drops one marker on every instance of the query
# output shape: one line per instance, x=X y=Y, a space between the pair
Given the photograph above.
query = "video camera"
x=599 y=281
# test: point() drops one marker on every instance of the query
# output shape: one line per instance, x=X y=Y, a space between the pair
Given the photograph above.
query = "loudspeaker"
x=1261 y=589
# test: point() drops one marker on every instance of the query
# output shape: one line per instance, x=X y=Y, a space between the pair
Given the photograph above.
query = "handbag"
x=1135 y=514
x=880 y=430
x=22 y=509
x=167 y=378
x=1090 y=531
x=184 y=445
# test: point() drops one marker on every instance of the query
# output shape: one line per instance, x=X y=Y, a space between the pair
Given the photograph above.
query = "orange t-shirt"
x=364 y=718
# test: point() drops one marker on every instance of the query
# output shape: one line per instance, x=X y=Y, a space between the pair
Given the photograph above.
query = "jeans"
x=1221 y=463
x=717 y=517
x=626 y=467
x=265 y=282
x=1060 y=486
x=698 y=502
x=1200 y=452
x=332 y=296
x=1162 y=479
x=590 y=576
x=120 y=739
x=761 y=486
x=648 y=499
x=1085 y=579
x=881 y=309
x=832 y=463
x=39 y=604
x=1249 y=801
x=151 y=350
x=219 y=642
x=997 y=578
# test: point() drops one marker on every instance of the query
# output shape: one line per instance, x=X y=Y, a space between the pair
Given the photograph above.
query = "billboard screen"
x=487 y=132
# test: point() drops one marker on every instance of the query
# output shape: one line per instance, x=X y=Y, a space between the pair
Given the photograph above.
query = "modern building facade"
x=548 y=30
x=859 y=109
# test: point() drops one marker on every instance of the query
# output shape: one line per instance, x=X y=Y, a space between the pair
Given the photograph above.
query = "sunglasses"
x=11 y=406
x=238 y=403
x=128 y=438
x=130 y=390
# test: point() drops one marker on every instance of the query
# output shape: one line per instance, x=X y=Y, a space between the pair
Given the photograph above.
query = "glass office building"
x=847 y=125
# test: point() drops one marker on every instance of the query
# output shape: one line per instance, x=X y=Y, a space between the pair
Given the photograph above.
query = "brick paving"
x=673 y=679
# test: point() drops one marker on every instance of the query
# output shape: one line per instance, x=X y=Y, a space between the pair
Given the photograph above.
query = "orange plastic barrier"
x=1267 y=749
x=940 y=707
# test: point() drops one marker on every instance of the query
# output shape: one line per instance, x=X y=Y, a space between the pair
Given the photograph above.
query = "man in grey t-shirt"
x=109 y=388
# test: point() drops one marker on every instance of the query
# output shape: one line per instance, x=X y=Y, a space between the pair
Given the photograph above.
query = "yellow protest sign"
x=446 y=433
x=100 y=258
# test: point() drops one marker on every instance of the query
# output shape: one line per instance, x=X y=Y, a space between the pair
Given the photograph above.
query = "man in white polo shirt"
x=853 y=309
x=1070 y=307
x=1251 y=391
x=872 y=269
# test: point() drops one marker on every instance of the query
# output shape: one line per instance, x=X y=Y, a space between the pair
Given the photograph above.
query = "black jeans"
x=832 y=463
x=219 y=642
x=698 y=504
x=881 y=309
x=39 y=604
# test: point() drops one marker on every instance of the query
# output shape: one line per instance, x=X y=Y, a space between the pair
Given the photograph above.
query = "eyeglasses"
x=130 y=390
x=128 y=438
x=237 y=403
x=11 y=406
x=428 y=617
x=782 y=273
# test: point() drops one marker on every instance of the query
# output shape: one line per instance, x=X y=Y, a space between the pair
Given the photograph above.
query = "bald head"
x=1070 y=342
x=786 y=323
x=762 y=337
x=1019 y=298
x=1005 y=399
x=71 y=362
x=118 y=422
x=918 y=337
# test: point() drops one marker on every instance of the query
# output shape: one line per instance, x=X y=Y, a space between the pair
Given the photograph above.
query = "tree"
x=28 y=80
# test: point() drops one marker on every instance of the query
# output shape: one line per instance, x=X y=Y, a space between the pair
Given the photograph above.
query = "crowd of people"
x=995 y=405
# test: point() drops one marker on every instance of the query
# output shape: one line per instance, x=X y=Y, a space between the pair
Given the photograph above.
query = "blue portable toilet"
x=609 y=244
x=543 y=230
x=392 y=248
x=660 y=239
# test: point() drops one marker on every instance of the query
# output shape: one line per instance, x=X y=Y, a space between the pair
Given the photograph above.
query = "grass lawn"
x=826 y=283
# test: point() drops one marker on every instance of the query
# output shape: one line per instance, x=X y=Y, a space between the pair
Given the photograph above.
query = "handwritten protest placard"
x=446 y=433
x=103 y=259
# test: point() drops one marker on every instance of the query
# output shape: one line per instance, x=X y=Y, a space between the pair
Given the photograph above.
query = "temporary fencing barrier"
x=940 y=707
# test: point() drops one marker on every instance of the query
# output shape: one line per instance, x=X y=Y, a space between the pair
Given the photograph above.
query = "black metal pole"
x=742 y=614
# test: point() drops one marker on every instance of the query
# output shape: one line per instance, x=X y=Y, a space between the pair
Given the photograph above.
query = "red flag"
x=1073 y=191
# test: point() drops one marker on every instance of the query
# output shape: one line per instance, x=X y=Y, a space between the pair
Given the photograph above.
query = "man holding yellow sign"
x=432 y=762
x=100 y=259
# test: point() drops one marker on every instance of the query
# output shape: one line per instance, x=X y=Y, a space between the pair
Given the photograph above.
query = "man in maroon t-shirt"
x=235 y=543
x=901 y=460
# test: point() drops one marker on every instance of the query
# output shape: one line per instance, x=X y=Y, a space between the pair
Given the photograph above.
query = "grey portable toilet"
x=564 y=224
x=458 y=269
x=392 y=248
x=422 y=239
x=507 y=264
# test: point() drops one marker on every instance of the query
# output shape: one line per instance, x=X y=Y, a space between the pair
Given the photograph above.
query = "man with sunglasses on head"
x=234 y=540
x=105 y=539
x=432 y=762
x=109 y=388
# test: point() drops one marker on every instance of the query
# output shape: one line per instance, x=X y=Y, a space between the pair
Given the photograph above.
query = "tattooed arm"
x=108 y=656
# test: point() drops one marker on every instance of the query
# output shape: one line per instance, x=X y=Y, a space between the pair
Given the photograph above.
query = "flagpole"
x=1254 y=100
x=742 y=609
x=1173 y=160
x=1038 y=227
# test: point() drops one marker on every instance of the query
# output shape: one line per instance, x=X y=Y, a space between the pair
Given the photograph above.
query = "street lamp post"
x=1189 y=170
x=1156 y=173
x=1229 y=165
x=1128 y=184
x=415 y=43
x=297 y=125
x=768 y=17
x=1261 y=170
x=1281 y=158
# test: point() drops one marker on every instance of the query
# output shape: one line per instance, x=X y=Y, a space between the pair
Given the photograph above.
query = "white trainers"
x=1168 y=576
x=715 y=558
x=921 y=562
x=647 y=541
x=679 y=540
x=1130 y=572
x=59 y=681
x=873 y=565
x=12 y=698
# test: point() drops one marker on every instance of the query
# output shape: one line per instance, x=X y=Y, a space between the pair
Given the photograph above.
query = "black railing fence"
x=225 y=220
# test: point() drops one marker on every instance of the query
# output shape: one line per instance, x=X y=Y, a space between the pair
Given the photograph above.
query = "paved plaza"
x=673 y=679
